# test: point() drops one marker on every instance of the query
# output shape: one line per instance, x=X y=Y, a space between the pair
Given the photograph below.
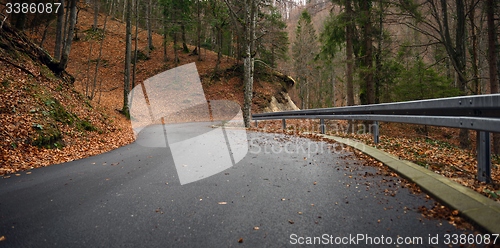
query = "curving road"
x=284 y=190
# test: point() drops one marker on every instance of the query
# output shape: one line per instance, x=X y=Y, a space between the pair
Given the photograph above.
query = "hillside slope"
x=43 y=119
x=48 y=120
x=225 y=84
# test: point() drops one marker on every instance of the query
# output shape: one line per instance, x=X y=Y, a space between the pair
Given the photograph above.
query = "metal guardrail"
x=480 y=113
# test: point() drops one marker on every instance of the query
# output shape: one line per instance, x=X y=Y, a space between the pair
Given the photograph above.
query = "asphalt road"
x=273 y=197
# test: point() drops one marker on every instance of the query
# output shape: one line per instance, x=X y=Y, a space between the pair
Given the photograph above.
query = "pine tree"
x=304 y=51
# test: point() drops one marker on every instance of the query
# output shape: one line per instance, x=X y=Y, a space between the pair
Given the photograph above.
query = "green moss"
x=94 y=34
x=59 y=113
x=46 y=72
x=48 y=136
x=5 y=83
x=85 y=125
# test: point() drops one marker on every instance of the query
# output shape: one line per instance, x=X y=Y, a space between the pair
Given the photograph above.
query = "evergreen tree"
x=304 y=51
x=272 y=41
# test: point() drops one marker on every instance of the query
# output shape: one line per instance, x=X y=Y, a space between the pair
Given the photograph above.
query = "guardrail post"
x=256 y=123
x=375 y=132
x=483 y=156
x=322 y=126
x=284 y=124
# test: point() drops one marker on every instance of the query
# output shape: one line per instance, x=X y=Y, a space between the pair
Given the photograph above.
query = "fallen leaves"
x=19 y=111
x=439 y=211
x=443 y=157
x=438 y=151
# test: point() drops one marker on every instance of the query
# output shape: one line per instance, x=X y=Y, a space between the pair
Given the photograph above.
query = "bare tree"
x=367 y=48
x=248 y=23
x=136 y=42
x=492 y=60
x=69 y=38
x=349 y=51
x=437 y=26
x=59 y=31
x=96 y=71
x=128 y=55
x=251 y=11
x=198 y=29
x=148 y=27
x=96 y=14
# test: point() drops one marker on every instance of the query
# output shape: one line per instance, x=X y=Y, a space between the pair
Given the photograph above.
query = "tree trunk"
x=59 y=31
x=185 y=49
x=198 y=30
x=66 y=23
x=368 y=56
x=492 y=61
x=473 y=51
x=136 y=41
x=165 y=55
x=20 y=21
x=45 y=30
x=378 y=54
x=148 y=27
x=219 y=49
x=96 y=14
x=128 y=55
x=248 y=61
x=124 y=9
x=69 y=39
x=461 y=62
x=456 y=53
x=349 y=53
x=176 y=52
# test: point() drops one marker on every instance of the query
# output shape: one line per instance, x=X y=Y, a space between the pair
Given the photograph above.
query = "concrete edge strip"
x=474 y=206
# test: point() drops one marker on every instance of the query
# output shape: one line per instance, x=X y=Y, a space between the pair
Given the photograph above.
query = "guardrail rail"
x=480 y=113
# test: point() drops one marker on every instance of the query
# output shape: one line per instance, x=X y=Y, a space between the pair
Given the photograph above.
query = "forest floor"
x=84 y=119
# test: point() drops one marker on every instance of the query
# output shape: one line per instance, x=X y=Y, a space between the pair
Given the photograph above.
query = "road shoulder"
x=477 y=208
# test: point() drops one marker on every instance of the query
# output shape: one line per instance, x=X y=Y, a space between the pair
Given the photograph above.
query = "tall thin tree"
x=492 y=60
x=128 y=55
x=59 y=31
x=69 y=38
